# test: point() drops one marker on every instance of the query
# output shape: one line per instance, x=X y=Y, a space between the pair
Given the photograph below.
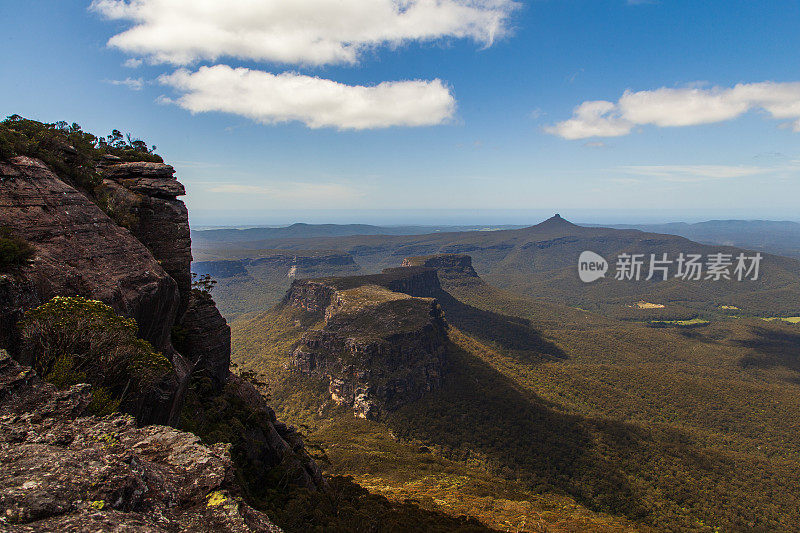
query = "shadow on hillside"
x=771 y=348
x=482 y=415
x=511 y=333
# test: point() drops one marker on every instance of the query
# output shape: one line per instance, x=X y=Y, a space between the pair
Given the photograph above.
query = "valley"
x=617 y=424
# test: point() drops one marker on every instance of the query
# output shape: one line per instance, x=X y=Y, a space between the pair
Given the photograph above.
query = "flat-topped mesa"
x=449 y=267
x=145 y=195
x=378 y=348
x=315 y=295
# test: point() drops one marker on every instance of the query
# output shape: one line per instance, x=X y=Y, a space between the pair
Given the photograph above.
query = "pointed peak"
x=556 y=221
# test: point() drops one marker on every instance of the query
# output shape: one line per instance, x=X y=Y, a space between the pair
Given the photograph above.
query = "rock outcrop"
x=63 y=471
x=137 y=261
x=148 y=192
x=206 y=339
x=378 y=348
x=81 y=251
x=450 y=268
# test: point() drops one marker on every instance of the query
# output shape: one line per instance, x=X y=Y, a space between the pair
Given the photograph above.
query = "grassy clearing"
x=690 y=322
x=790 y=319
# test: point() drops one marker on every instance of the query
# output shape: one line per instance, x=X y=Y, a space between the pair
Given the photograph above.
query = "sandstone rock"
x=62 y=471
x=151 y=179
x=451 y=268
x=81 y=251
x=207 y=343
x=148 y=192
x=379 y=349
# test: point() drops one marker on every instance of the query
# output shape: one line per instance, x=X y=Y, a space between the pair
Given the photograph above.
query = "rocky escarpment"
x=63 y=471
x=378 y=348
x=227 y=268
x=147 y=196
x=81 y=251
x=450 y=268
x=131 y=261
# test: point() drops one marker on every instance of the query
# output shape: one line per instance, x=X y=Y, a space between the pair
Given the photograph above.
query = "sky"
x=431 y=111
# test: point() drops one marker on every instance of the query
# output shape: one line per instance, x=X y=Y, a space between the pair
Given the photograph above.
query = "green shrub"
x=68 y=150
x=14 y=250
x=70 y=340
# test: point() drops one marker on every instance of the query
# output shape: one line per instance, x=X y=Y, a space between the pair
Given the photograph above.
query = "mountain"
x=487 y=403
x=780 y=238
x=301 y=230
x=541 y=262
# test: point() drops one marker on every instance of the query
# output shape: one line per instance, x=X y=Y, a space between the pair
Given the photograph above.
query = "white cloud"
x=134 y=84
x=692 y=173
x=311 y=194
x=133 y=63
x=592 y=119
x=680 y=107
x=274 y=98
x=313 y=32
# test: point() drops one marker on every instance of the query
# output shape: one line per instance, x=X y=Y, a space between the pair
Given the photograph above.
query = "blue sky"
x=466 y=113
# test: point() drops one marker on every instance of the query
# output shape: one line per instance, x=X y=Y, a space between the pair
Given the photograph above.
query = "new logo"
x=591 y=266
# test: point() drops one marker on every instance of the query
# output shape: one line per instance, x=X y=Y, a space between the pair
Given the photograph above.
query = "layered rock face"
x=379 y=349
x=207 y=340
x=81 y=251
x=451 y=268
x=149 y=192
x=63 y=471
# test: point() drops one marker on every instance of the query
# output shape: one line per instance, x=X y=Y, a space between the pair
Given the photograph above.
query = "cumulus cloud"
x=689 y=106
x=312 y=32
x=318 y=103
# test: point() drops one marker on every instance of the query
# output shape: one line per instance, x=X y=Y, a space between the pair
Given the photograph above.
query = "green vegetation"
x=203 y=284
x=14 y=250
x=67 y=149
x=790 y=319
x=71 y=340
x=568 y=420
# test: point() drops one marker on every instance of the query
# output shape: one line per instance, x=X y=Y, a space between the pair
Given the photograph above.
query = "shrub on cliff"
x=14 y=250
x=71 y=340
x=67 y=149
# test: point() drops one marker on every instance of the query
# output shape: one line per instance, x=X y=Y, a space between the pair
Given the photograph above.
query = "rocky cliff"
x=378 y=347
x=450 y=268
x=81 y=250
x=147 y=194
x=126 y=243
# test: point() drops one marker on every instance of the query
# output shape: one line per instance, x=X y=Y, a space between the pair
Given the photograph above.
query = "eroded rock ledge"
x=62 y=471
